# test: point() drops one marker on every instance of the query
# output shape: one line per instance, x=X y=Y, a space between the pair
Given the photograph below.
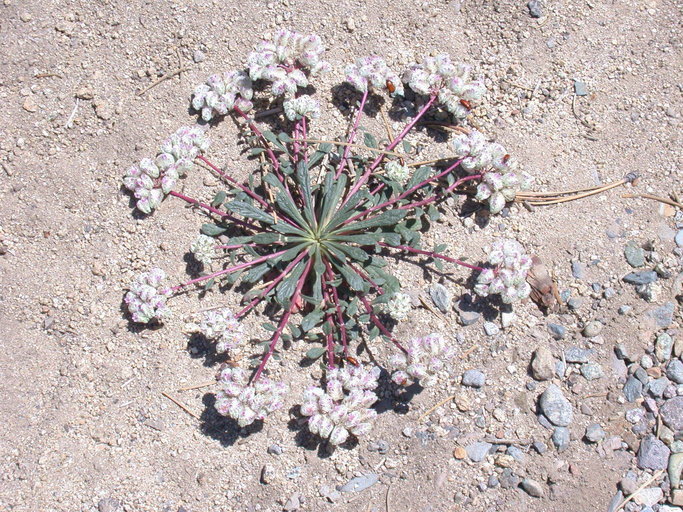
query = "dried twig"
x=654 y=198
x=432 y=409
x=431 y=308
x=548 y=198
x=494 y=440
x=179 y=404
x=198 y=386
x=386 y=498
x=168 y=75
x=69 y=122
x=643 y=486
x=47 y=75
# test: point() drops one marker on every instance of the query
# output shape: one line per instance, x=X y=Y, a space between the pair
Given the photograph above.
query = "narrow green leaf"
x=387 y=218
x=433 y=213
x=407 y=146
x=288 y=229
x=256 y=151
x=218 y=198
x=440 y=247
x=315 y=352
x=256 y=273
x=370 y=140
x=209 y=284
x=212 y=230
x=266 y=238
x=285 y=290
x=393 y=239
x=360 y=239
x=269 y=327
x=282 y=136
x=420 y=174
x=311 y=320
x=355 y=253
x=354 y=281
x=249 y=211
x=332 y=199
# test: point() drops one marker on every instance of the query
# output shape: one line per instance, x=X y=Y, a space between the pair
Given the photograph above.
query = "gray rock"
x=493 y=482
x=616 y=501
x=508 y=480
x=656 y=387
x=507 y=318
x=267 y=474
x=540 y=447
x=532 y=487
x=473 y=378
x=359 y=483
x=381 y=447
x=621 y=352
x=649 y=292
x=635 y=256
x=633 y=389
x=535 y=8
x=516 y=453
x=595 y=433
x=577 y=355
x=653 y=454
x=293 y=503
x=557 y=331
x=624 y=310
x=441 y=297
x=674 y=370
x=542 y=364
x=646 y=362
x=491 y=329
x=556 y=407
x=275 y=449
x=560 y=438
x=649 y=497
x=198 y=56
x=577 y=269
x=469 y=317
x=591 y=371
x=575 y=303
x=642 y=277
x=592 y=329
x=609 y=292
x=672 y=413
x=679 y=238
x=641 y=375
x=675 y=468
x=628 y=485
x=664 y=314
x=580 y=88
x=478 y=451
x=108 y=505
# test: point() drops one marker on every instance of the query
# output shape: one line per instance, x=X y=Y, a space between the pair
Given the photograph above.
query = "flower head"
x=303 y=106
x=246 y=403
x=508 y=275
x=284 y=60
x=222 y=326
x=204 y=249
x=399 y=306
x=395 y=171
x=221 y=93
x=146 y=298
x=425 y=358
x=373 y=72
x=451 y=82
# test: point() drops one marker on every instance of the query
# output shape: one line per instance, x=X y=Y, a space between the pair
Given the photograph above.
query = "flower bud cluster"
x=246 y=403
x=221 y=93
x=344 y=406
x=452 y=83
x=508 y=275
x=500 y=182
x=303 y=106
x=373 y=72
x=222 y=326
x=399 y=306
x=204 y=249
x=146 y=298
x=395 y=171
x=152 y=180
x=284 y=59
x=425 y=358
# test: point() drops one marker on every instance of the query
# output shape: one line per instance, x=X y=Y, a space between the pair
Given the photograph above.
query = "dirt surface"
x=85 y=424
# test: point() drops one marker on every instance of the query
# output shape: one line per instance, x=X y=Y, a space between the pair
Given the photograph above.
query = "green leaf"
x=440 y=247
x=352 y=309
x=256 y=151
x=393 y=239
x=407 y=146
x=360 y=239
x=332 y=199
x=256 y=273
x=296 y=332
x=355 y=253
x=288 y=229
x=370 y=140
x=311 y=320
x=421 y=174
x=293 y=252
x=315 y=352
x=285 y=290
x=249 y=211
x=218 y=198
x=266 y=238
x=438 y=263
x=209 y=284
x=354 y=280
x=387 y=218
x=272 y=138
x=212 y=230
x=269 y=327
x=284 y=137
x=433 y=213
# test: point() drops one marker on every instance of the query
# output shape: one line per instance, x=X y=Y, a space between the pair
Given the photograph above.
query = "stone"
x=359 y=483
x=557 y=331
x=542 y=364
x=621 y=351
x=642 y=277
x=675 y=468
x=535 y=9
x=577 y=355
x=516 y=453
x=679 y=238
x=30 y=104
x=507 y=318
x=653 y=454
x=556 y=407
x=635 y=255
x=108 y=505
x=103 y=109
x=474 y=378
x=656 y=387
x=649 y=292
x=293 y=503
x=478 y=451
x=275 y=449
x=491 y=329
x=459 y=452
x=595 y=433
x=540 y=447
x=615 y=502
x=469 y=317
x=441 y=297
x=580 y=88
x=646 y=362
x=674 y=370
x=628 y=485
x=649 y=496
x=676 y=499
x=198 y=56
x=592 y=329
x=267 y=474
x=633 y=389
x=672 y=413
x=532 y=487
x=663 y=315
x=560 y=438
x=577 y=269
x=591 y=371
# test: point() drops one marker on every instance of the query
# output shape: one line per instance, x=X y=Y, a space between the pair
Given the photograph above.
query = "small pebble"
x=633 y=389
x=491 y=329
x=635 y=255
x=474 y=379
x=580 y=88
x=652 y=454
x=532 y=487
x=441 y=297
x=478 y=451
x=643 y=277
x=542 y=364
x=557 y=331
x=556 y=407
x=535 y=9
x=674 y=370
x=198 y=56
x=592 y=329
x=560 y=438
x=591 y=371
x=359 y=483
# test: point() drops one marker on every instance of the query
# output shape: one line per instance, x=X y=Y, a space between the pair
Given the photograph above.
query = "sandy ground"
x=85 y=425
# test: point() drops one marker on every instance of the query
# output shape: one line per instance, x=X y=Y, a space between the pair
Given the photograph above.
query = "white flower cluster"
x=204 y=249
x=373 y=72
x=500 y=182
x=221 y=93
x=152 y=180
x=343 y=407
x=222 y=326
x=246 y=403
x=508 y=277
x=425 y=358
x=303 y=106
x=284 y=59
x=146 y=298
x=399 y=306
x=395 y=171
x=452 y=83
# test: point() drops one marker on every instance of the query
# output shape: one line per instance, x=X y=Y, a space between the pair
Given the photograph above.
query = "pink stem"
x=232 y=180
x=352 y=135
x=435 y=197
x=432 y=255
x=340 y=317
x=390 y=147
x=228 y=270
x=236 y=246
x=272 y=285
x=215 y=210
x=379 y=324
x=304 y=135
x=367 y=278
x=283 y=322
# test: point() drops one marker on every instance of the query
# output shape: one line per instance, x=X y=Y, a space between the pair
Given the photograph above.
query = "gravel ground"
x=582 y=95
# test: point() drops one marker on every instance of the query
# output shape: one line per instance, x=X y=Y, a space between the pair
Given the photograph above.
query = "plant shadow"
x=221 y=428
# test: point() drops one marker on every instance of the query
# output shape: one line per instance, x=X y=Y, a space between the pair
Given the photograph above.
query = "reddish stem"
x=232 y=180
x=283 y=322
x=215 y=210
x=340 y=317
x=432 y=255
x=435 y=197
x=352 y=135
x=365 y=276
x=379 y=324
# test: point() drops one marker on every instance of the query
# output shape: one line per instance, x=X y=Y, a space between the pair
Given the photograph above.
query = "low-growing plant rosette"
x=310 y=235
